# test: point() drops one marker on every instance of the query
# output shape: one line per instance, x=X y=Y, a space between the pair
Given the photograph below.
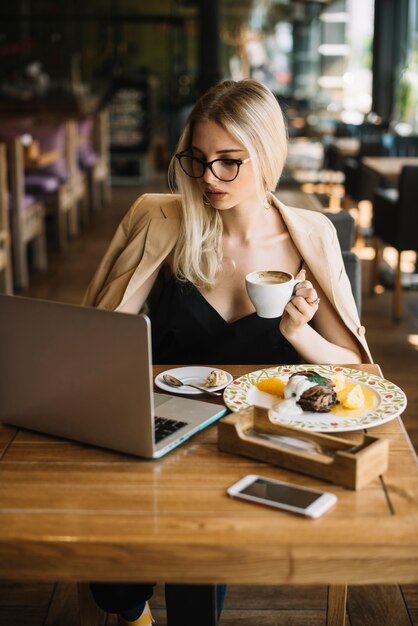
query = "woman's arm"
x=328 y=340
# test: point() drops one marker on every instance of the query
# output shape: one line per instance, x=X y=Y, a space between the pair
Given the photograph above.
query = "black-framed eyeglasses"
x=223 y=169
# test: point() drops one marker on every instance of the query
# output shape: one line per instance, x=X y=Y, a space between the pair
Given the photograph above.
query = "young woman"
x=185 y=256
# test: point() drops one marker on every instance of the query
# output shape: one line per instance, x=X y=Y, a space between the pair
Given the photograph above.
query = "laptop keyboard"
x=163 y=427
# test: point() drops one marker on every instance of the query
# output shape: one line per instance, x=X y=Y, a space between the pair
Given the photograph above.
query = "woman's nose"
x=208 y=175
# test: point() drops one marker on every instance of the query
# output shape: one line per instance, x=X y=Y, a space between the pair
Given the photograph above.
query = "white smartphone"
x=309 y=502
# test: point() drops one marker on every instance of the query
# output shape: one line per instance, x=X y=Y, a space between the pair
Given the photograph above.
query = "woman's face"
x=209 y=142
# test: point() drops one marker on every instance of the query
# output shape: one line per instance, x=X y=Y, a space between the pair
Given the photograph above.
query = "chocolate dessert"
x=320 y=396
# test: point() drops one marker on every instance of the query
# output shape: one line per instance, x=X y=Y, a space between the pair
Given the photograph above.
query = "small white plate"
x=192 y=374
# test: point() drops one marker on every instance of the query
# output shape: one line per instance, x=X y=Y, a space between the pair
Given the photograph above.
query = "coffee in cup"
x=270 y=291
x=271 y=277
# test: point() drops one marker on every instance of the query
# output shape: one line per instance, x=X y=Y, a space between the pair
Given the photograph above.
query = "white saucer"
x=191 y=374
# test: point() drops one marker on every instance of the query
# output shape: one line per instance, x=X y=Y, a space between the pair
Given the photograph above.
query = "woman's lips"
x=214 y=194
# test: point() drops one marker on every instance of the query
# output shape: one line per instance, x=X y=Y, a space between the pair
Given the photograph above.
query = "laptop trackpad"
x=189 y=410
x=160 y=398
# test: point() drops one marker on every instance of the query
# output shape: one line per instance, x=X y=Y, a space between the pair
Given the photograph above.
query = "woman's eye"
x=228 y=162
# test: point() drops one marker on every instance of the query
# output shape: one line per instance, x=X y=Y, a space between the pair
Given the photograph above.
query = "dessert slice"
x=316 y=393
x=216 y=378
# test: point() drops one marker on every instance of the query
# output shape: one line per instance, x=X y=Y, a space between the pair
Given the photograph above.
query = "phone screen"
x=293 y=496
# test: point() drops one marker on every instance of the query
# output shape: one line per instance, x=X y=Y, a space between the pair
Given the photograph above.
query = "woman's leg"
x=188 y=605
x=128 y=600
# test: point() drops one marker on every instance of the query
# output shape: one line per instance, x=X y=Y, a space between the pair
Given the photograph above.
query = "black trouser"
x=187 y=605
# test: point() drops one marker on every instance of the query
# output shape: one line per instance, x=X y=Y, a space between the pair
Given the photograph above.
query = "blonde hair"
x=250 y=113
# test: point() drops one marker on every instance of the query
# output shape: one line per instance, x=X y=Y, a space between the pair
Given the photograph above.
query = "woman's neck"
x=244 y=223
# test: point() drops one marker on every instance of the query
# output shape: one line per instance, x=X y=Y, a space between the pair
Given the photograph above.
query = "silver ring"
x=316 y=301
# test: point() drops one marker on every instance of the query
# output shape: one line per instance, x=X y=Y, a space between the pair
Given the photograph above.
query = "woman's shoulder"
x=305 y=219
x=312 y=217
x=156 y=205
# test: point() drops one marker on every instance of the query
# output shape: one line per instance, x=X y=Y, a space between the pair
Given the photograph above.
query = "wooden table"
x=69 y=512
x=387 y=168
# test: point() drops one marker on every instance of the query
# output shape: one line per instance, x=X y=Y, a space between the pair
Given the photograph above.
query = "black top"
x=187 y=330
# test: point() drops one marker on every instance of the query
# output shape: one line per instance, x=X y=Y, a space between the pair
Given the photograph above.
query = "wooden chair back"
x=101 y=171
x=407 y=214
x=6 y=280
x=62 y=203
x=396 y=224
x=405 y=146
x=27 y=222
x=71 y=142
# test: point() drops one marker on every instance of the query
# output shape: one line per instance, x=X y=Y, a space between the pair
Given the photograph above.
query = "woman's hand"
x=301 y=308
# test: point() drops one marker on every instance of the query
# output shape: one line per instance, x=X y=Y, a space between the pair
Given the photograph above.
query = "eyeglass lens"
x=223 y=169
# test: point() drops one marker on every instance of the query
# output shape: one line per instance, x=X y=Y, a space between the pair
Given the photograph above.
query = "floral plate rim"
x=392 y=400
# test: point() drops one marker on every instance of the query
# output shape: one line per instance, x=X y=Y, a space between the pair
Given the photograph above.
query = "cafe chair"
x=345 y=226
x=77 y=181
x=102 y=169
x=60 y=184
x=362 y=132
x=352 y=266
x=395 y=224
x=27 y=217
x=404 y=146
x=93 y=157
x=51 y=171
x=6 y=278
x=357 y=183
x=366 y=129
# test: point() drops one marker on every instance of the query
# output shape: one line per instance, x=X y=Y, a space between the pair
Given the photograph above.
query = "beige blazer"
x=149 y=232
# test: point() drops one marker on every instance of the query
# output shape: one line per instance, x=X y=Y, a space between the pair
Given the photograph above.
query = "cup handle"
x=296 y=281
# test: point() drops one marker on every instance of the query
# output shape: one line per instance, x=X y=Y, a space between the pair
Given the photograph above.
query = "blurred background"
x=329 y=63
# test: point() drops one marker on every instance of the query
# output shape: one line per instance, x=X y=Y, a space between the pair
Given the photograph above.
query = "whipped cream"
x=294 y=389
x=296 y=386
x=288 y=406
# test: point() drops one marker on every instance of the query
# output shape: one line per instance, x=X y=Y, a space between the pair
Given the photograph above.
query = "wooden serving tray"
x=343 y=462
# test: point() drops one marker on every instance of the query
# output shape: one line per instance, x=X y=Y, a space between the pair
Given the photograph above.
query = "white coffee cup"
x=270 y=291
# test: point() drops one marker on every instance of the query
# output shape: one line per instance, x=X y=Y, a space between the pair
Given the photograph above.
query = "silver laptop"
x=85 y=374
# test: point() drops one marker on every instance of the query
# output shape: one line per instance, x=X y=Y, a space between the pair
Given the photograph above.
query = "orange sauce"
x=370 y=401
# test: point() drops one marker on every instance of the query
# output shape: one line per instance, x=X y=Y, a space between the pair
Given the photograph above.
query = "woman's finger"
x=304 y=307
x=305 y=284
x=301 y=275
x=294 y=314
x=309 y=293
x=300 y=311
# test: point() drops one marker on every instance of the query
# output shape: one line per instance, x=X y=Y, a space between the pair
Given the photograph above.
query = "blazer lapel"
x=310 y=244
x=323 y=261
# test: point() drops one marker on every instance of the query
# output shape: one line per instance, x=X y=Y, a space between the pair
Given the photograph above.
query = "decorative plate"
x=385 y=400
